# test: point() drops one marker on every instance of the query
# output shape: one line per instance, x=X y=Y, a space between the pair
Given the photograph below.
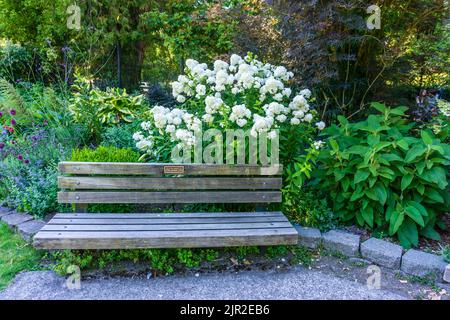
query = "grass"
x=15 y=256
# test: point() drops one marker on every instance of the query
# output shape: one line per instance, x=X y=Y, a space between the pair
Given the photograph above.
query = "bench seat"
x=174 y=230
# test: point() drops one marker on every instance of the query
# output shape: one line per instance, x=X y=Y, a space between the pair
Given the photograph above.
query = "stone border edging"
x=380 y=252
x=23 y=224
x=377 y=251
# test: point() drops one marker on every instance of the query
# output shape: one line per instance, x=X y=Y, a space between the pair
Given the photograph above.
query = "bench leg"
x=81 y=208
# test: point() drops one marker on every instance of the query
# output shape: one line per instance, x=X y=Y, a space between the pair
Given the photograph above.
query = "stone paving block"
x=447 y=273
x=420 y=263
x=4 y=211
x=341 y=241
x=308 y=237
x=29 y=229
x=14 y=219
x=383 y=253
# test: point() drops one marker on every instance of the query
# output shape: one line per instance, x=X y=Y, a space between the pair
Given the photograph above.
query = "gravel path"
x=295 y=283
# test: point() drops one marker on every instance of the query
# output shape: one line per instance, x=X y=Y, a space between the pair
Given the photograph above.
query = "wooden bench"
x=82 y=183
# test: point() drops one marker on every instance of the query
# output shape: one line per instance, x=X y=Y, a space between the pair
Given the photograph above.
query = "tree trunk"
x=132 y=61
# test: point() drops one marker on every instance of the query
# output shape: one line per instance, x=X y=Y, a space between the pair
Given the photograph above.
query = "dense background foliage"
x=76 y=94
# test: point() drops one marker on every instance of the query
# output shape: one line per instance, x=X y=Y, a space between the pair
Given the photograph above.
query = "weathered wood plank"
x=168 y=215
x=107 y=221
x=133 y=183
x=165 y=239
x=157 y=169
x=170 y=197
x=164 y=227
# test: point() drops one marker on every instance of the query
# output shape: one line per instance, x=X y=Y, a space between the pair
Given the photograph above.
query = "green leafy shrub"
x=380 y=175
x=120 y=136
x=96 y=108
x=104 y=154
x=308 y=207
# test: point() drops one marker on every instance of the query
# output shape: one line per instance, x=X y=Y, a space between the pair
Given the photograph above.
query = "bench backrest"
x=101 y=182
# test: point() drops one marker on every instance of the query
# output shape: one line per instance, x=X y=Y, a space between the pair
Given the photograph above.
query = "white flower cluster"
x=245 y=92
x=180 y=124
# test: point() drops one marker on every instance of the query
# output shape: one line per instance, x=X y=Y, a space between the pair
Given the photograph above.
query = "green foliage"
x=15 y=62
x=15 y=256
x=445 y=252
x=120 y=136
x=165 y=261
x=104 y=154
x=380 y=175
x=96 y=108
x=308 y=207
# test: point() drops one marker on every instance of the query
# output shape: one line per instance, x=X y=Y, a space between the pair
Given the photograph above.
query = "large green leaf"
x=430 y=233
x=396 y=221
x=360 y=176
x=414 y=214
x=367 y=214
x=435 y=175
x=414 y=152
x=381 y=193
x=434 y=195
x=419 y=207
x=406 y=181
x=408 y=234
x=426 y=138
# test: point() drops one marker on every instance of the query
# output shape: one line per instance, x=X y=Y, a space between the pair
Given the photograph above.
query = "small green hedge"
x=104 y=154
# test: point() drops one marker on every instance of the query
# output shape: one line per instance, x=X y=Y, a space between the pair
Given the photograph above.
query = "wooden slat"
x=164 y=226
x=170 y=197
x=134 y=221
x=157 y=169
x=133 y=183
x=168 y=215
x=165 y=239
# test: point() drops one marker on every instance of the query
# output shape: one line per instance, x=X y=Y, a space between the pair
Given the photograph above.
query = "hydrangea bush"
x=243 y=93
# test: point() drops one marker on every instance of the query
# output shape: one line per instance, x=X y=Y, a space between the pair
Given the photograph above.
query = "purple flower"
x=34 y=138
x=27 y=161
x=20 y=157
x=12 y=112
x=1 y=114
x=13 y=122
x=2 y=145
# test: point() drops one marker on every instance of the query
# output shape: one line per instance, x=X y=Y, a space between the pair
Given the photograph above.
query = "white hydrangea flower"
x=295 y=121
x=308 y=117
x=306 y=93
x=181 y=99
x=200 y=89
x=320 y=125
x=138 y=136
x=318 y=144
